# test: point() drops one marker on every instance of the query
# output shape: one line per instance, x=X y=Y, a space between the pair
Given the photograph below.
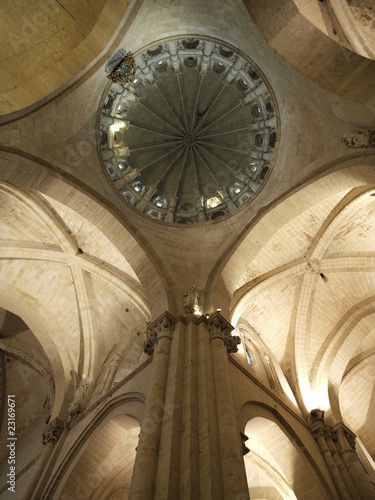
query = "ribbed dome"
x=193 y=137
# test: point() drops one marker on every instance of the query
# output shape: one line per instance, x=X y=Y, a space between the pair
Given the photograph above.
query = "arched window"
x=248 y=357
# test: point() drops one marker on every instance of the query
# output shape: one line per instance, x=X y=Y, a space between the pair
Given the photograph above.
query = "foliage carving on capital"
x=318 y=433
x=220 y=328
x=346 y=439
x=351 y=439
x=160 y=328
x=52 y=432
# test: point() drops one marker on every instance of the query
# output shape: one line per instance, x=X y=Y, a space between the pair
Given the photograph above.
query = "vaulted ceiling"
x=82 y=273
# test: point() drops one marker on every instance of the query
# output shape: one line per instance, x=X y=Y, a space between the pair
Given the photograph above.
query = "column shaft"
x=189 y=445
x=327 y=453
x=145 y=467
x=346 y=445
x=232 y=468
x=209 y=448
x=340 y=467
x=189 y=484
x=169 y=457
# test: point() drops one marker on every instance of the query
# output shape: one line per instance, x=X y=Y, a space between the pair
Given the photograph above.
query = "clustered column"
x=232 y=470
x=337 y=445
x=189 y=447
x=144 y=478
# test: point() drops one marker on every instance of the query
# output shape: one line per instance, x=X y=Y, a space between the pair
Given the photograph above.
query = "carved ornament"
x=52 y=432
x=315 y=416
x=220 y=328
x=360 y=139
x=151 y=340
x=121 y=67
x=77 y=405
x=191 y=302
x=162 y=327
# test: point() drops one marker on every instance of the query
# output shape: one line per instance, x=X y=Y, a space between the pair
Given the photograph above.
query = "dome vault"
x=193 y=137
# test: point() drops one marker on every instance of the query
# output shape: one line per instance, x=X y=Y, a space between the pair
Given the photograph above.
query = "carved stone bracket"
x=315 y=416
x=231 y=342
x=80 y=397
x=360 y=139
x=220 y=328
x=52 y=432
x=151 y=340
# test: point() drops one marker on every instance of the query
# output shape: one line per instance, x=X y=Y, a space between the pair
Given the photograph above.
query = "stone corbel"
x=151 y=340
x=360 y=139
x=231 y=342
x=52 y=432
x=80 y=398
x=315 y=416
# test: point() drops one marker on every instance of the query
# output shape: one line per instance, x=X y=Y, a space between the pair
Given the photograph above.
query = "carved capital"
x=328 y=434
x=162 y=327
x=165 y=325
x=217 y=325
x=115 y=361
x=345 y=438
x=318 y=433
x=220 y=328
x=351 y=438
x=52 y=432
